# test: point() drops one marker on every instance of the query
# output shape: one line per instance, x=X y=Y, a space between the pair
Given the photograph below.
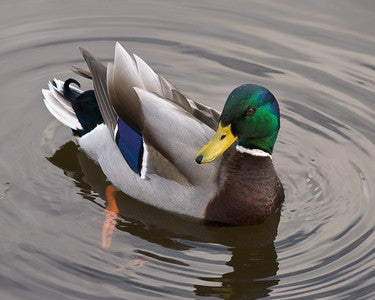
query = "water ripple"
x=320 y=244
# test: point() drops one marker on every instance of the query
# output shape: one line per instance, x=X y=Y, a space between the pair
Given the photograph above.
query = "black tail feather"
x=68 y=93
x=85 y=107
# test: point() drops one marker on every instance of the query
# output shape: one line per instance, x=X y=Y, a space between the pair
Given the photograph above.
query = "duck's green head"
x=251 y=115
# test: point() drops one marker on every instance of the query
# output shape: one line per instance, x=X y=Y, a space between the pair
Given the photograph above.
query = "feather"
x=206 y=114
x=59 y=111
x=166 y=88
x=121 y=78
x=186 y=135
x=130 y=144
x=99 y=75
x=81 y=72
x=148 y=77
x=127 y=73
x=180 y=99
x=59 y=97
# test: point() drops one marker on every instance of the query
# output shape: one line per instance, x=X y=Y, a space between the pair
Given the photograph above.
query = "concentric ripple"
x=317 y=61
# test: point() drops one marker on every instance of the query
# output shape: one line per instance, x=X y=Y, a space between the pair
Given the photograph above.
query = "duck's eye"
x=250 y=111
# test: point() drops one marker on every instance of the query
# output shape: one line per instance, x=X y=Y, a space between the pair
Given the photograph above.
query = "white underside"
x=153 y=189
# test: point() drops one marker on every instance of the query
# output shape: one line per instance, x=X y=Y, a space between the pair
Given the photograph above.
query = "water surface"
x=317 y=58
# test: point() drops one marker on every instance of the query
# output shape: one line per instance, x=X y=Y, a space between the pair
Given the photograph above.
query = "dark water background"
x=317 y=57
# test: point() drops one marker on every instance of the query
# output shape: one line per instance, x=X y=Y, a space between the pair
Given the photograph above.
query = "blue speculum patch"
x=130 y=143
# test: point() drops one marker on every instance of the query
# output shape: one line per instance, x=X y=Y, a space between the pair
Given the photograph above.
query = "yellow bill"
x=220 y=142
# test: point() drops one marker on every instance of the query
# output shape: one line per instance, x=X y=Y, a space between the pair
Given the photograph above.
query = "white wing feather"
x=60 y=111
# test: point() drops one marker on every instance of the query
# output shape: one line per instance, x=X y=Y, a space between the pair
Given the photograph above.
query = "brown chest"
x=250 y=191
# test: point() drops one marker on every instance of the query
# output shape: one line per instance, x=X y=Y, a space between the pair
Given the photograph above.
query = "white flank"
x=144 y=162
x=182 y=199
x=254 y=152
x=115 y=132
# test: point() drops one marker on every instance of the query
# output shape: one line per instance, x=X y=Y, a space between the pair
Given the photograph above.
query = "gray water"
x=317 y=57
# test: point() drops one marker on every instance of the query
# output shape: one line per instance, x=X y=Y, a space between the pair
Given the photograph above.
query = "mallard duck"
x=146 y=135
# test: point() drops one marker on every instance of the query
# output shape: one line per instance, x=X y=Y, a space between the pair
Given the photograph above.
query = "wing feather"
x=99 y=76
x=81 y=72
x=181 y=135
x=166 y=88
x=148 y=77
x=122 y=77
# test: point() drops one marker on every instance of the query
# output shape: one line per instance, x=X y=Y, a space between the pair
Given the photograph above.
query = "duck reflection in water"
x=253 y=255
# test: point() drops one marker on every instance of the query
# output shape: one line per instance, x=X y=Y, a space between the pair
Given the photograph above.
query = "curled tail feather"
x=74 y=108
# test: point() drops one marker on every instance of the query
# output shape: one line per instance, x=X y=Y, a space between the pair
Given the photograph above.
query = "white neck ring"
x=254 y=152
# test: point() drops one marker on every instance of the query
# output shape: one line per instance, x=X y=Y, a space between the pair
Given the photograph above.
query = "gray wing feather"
x=158 y=164
x=122 y=77
x=81 y=72
x=181 y=100
x=99 y=77
x=206 y=114
x=181 y=135
x=129 y=72
x=166 y=88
